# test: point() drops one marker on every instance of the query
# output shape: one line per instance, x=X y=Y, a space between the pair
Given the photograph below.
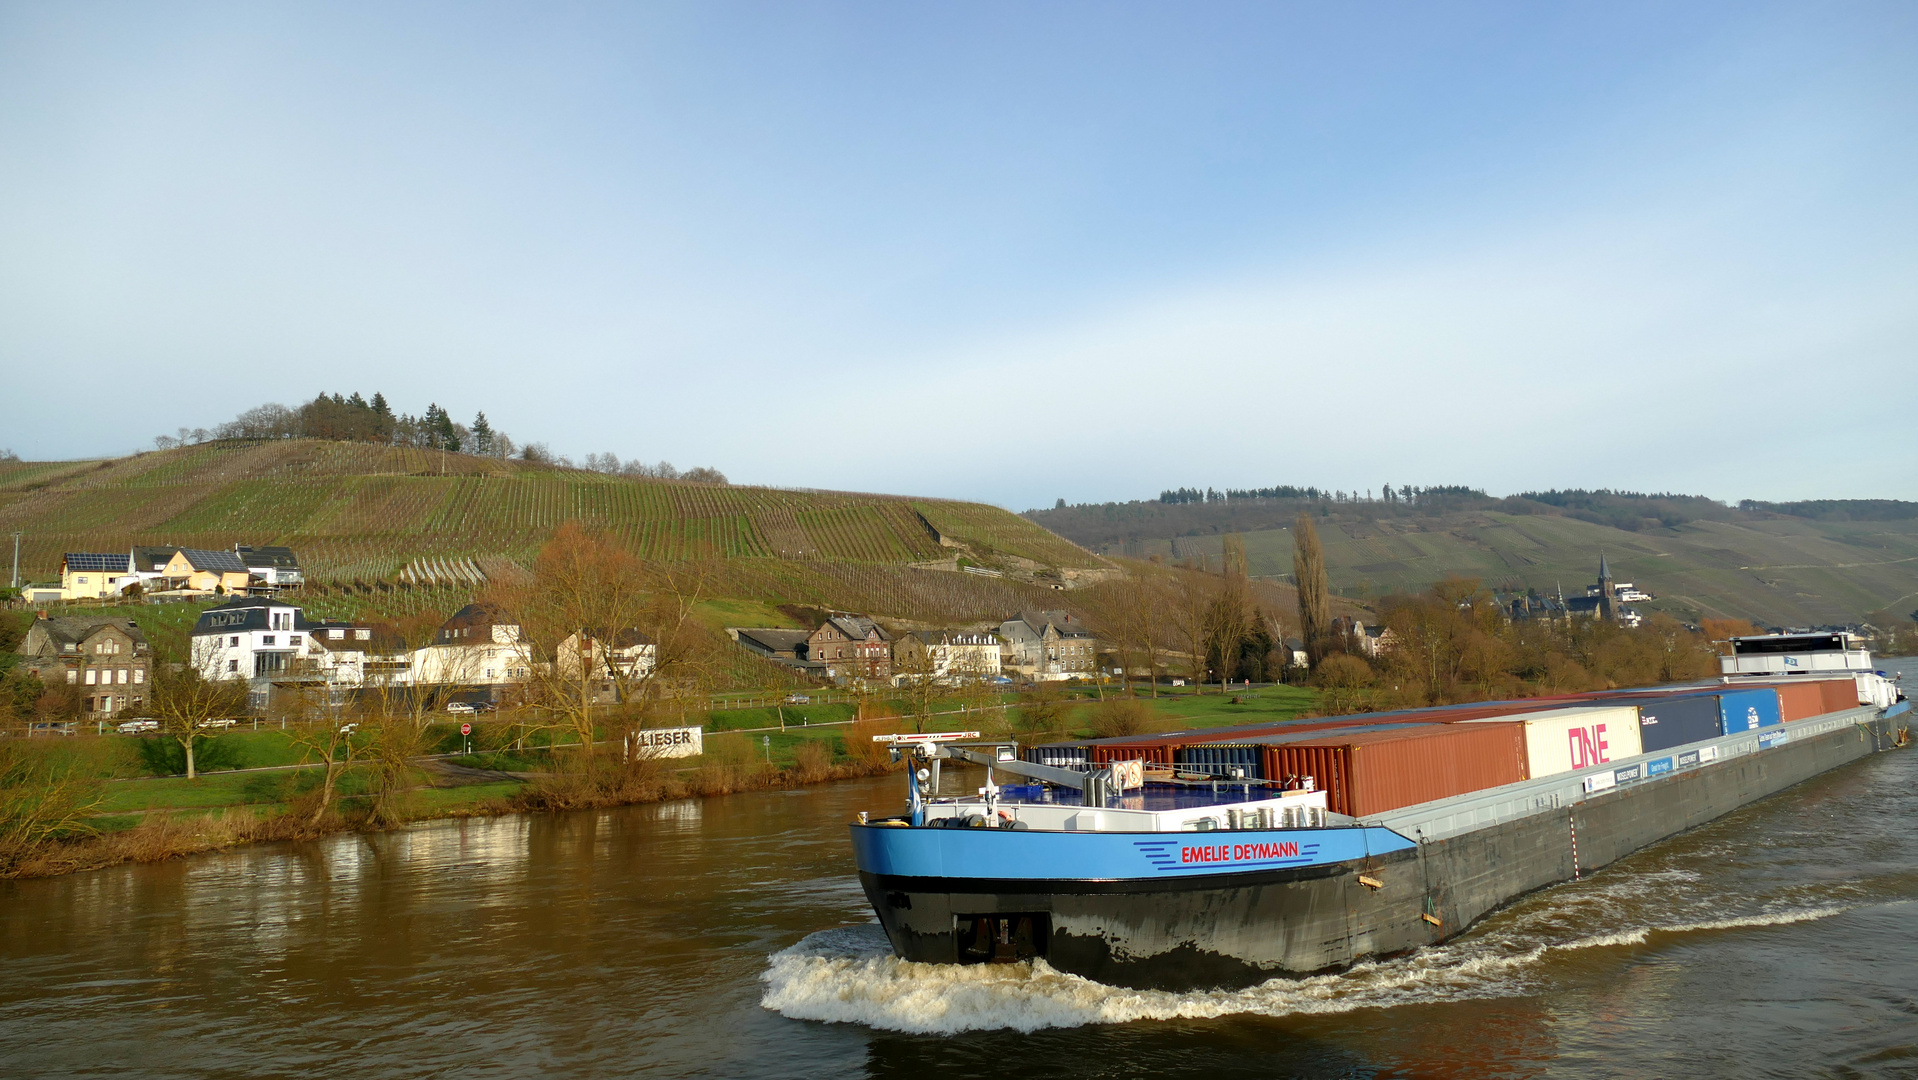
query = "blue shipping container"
x=1675 y=721
x=1743 y=710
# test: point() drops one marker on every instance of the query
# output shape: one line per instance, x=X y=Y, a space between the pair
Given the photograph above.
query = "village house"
x=851 y=647
x=271 y=568
x=108 y=660
x=199 y=571
x=1049 y=645
x=90 y=575
x=947 y=656
x=277 y=650
x=361 y=656
x=614 y=661
x=476 y=647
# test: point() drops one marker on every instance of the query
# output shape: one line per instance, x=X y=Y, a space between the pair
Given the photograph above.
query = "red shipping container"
x=1796 y=701
x=1384 y=770
x=1800 y=698
x=1840 y=694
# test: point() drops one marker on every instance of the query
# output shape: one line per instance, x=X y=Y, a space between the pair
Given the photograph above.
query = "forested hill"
x=364 y=512
x=1828 y=561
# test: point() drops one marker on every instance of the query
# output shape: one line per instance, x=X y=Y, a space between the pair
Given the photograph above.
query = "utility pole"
x=16 y=561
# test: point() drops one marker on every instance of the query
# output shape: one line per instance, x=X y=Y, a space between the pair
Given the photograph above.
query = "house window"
x=267 y=640
x=72 y=676
x=233 y=665
x=139 y=676
x=282 y=620
x=362 y=635
x=122 y=676
x=235 y=642
x=89 y=676
x=293 y=640
x=82 y=579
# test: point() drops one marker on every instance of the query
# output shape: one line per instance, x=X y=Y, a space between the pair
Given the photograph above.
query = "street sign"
x=466 y=729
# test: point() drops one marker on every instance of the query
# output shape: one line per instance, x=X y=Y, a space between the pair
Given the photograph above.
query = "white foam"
x=850 y=975
x=1777 y=918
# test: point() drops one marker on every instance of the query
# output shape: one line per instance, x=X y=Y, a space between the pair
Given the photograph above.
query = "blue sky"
x=994 y=251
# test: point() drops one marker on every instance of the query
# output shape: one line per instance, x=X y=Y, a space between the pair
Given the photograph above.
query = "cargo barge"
x=1227 y=857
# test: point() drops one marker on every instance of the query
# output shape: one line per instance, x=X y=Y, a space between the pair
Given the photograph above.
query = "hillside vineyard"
x=360 y=512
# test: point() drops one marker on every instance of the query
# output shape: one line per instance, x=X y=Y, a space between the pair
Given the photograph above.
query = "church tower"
x=1607 y=605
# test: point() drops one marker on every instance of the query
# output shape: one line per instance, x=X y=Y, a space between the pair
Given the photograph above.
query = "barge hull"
x=1240 y=929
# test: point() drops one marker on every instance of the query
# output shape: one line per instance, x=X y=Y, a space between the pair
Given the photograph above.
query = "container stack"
x=1374 y=762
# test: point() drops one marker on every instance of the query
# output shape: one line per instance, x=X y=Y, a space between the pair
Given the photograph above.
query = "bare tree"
x=1189 y=610
x=1315 y=601
x=182 y=702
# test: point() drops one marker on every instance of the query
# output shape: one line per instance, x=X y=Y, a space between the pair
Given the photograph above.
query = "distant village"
x=259 y=635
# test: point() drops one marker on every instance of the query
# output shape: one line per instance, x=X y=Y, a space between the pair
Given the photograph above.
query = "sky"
x=1006 y=252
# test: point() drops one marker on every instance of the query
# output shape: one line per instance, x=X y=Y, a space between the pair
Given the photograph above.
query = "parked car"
x=348 y=729
x=218 y=725
x=135 y=727
x=799 y=699
x=485 y=707
x=460 y=708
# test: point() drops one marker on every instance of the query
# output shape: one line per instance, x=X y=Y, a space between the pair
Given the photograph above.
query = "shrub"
x=1121 y=716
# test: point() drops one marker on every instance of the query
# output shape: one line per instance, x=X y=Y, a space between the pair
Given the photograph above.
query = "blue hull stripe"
x=1005 y=855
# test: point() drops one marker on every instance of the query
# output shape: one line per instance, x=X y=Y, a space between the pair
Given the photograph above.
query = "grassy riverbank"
x=93 y=801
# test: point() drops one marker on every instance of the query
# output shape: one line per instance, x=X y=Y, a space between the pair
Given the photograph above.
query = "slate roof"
x=150 y=557
x=280 y=558
x=769 y=641
x=858 y=627
x=246 y=613
x=63 y=630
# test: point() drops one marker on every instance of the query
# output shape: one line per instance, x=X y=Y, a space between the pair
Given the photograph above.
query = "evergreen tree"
x=482 y=435
x=380 y=407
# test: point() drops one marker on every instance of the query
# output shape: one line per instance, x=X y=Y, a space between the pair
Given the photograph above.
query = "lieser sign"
x=666 y=742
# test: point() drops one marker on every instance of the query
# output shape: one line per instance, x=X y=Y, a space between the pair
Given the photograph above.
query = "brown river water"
x=728 y=937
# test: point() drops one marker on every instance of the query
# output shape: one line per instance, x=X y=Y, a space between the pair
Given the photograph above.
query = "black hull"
x=1241 y=929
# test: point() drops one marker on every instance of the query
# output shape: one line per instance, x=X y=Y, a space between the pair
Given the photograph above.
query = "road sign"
x=466 y=729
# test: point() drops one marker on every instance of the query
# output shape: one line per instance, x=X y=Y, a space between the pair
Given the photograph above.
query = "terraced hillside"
x=1771 y=569
x=363 y=513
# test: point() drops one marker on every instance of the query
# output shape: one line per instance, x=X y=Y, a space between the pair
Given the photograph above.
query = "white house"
x=947 y=656
x=274 y=567
x=475 y=647
x=254 y=638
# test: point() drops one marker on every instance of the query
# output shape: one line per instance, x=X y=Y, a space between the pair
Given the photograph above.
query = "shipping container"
x=1674 y=721
x=1370 y=773
x=1743 y=710
x=1840 y=694
x=1566 y=740
x=1797 y=701
x=1248 y=759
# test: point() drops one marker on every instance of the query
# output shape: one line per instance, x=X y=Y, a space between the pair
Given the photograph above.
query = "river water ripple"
x=728 y=937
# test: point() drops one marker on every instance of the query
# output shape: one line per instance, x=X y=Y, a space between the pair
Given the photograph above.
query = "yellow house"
x=207 y=571
x=88 y=575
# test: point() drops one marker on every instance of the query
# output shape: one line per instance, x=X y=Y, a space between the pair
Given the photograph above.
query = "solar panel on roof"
x=96 y=561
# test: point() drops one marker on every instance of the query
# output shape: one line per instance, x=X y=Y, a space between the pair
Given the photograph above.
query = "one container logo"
x=1589 y=746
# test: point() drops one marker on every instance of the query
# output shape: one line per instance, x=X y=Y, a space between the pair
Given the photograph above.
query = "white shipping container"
x=1566 y=740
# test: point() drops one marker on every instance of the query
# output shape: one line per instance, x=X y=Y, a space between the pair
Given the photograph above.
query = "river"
x=728 y=937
